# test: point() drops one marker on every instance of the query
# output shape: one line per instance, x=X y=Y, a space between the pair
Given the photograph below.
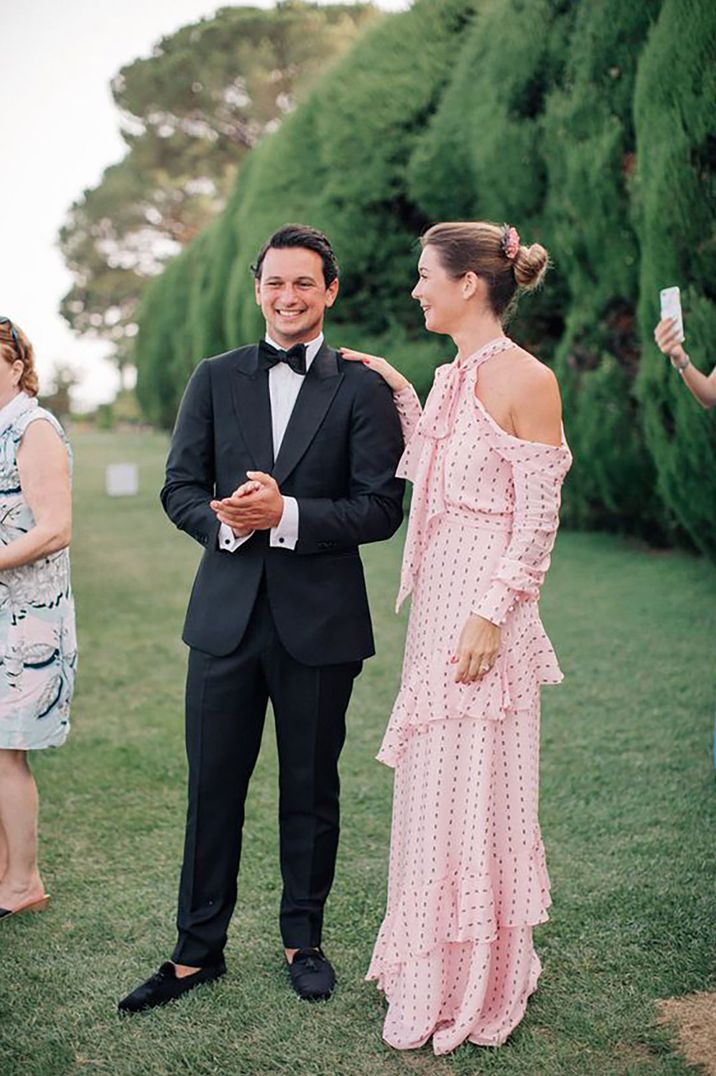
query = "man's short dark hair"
x=300 y=235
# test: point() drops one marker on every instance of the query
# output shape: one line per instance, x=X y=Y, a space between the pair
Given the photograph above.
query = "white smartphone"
x=671 y=308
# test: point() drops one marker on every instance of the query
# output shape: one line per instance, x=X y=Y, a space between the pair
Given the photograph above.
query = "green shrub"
x=104 y=417
x=589 y=147
x=589 y=127
x=213 y=258
x=485 y=142
x=339 y=163
x=157 y=390
x=610 y=485
x=675 y=214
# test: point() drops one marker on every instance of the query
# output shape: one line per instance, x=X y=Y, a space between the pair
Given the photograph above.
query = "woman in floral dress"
x=38 y=650
x=487 y=458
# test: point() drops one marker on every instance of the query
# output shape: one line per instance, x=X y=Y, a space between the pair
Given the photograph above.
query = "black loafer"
x=312 y=976
x=165 y=986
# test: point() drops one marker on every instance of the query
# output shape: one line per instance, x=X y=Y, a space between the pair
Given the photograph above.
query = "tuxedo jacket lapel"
x=252 y=404
x=319 y=387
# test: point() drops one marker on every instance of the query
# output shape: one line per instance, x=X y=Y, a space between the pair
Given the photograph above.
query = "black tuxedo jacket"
x=338 y=459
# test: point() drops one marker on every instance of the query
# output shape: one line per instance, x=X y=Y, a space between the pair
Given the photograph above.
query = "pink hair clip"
x=510 y=241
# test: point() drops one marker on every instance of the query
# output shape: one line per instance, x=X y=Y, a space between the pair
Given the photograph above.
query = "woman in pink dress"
x=487 y=458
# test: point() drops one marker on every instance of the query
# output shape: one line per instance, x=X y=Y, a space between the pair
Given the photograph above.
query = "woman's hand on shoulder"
x=393 y=377
x=536 y=409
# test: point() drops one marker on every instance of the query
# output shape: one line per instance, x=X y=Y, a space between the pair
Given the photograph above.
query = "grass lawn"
x=628 y=806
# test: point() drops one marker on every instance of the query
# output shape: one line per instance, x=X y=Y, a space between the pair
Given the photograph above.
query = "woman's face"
x=10 y=373
x=441 y=297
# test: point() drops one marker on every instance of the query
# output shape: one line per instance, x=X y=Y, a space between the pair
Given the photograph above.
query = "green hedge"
x=340 y=163
x=481 y=156
x=588 y=126
x=675 y=213
x=589 y=150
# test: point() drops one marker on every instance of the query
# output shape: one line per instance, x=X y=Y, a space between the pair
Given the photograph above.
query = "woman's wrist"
x=400 y=385
x=680 y=360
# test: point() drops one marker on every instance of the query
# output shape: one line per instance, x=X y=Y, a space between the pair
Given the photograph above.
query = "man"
x=282 y=462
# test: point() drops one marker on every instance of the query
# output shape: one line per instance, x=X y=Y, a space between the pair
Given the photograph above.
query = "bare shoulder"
x=530 y=377
x=41 y=431
x=536 y=403
x=41 y=443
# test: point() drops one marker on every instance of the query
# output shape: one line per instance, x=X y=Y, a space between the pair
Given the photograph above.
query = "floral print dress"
x=38 y=647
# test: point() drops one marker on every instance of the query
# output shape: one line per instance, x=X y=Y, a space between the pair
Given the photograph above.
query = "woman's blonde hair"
x=15 y=345
x=494 y=253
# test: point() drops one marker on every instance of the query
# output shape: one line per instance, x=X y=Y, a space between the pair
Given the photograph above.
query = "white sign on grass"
x=122 y=479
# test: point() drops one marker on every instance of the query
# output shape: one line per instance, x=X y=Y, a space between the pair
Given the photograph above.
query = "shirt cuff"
x=496 y=603
x=228 y=540
x=285 y=535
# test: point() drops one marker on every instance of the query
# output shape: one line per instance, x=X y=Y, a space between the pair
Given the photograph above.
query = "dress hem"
x=442 y=1028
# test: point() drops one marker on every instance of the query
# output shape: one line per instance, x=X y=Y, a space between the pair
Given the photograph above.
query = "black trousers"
x=226 y=701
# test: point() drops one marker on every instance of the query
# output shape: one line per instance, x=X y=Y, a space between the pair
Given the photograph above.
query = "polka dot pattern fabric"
x=454 y=955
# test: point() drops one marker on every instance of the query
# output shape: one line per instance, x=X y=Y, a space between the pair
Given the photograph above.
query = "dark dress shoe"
x=312 y=975
x=165 y=986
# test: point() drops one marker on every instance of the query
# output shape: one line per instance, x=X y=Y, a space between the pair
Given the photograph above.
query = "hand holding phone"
x=671 y=308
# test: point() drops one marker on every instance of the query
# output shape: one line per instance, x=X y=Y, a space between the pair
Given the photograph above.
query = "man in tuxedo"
x=282 y=463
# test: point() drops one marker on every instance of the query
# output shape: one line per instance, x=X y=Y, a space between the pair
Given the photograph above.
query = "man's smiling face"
x=292 y=294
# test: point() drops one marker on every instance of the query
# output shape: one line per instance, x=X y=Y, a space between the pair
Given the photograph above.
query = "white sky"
x=59 y=129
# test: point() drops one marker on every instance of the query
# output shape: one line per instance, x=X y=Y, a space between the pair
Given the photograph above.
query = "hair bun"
x=530 y=266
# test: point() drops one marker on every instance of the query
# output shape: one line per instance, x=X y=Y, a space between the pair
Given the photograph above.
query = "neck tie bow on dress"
x=438 y=417
x=295 y=357
x=422 y=460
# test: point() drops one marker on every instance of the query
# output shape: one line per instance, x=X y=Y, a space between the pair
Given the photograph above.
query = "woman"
x=701 y=386
x=467 y=883
x=38 y=652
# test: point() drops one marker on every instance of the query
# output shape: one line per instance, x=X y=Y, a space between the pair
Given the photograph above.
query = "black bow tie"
x=295 y=357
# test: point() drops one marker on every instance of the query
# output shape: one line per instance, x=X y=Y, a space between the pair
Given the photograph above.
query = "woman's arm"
x=539 y=461
x=701 y=386
x=45 y=482
x=405 y=397
x=536 y=415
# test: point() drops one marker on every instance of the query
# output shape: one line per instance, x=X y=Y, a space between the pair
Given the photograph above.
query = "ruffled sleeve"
x=409 y=410
x=538 y=471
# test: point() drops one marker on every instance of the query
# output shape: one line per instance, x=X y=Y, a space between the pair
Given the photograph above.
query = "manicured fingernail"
x=366 y=362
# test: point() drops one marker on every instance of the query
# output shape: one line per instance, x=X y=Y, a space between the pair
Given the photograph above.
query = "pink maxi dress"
x=467 y=880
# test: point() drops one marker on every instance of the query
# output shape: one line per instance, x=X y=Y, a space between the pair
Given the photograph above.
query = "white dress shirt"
x=284 y=387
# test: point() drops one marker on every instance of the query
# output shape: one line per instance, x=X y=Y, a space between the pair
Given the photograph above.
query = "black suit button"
x=282 y=540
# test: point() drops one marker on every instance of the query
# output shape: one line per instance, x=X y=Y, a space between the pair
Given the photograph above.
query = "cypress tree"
x=589 y=146
x=675 y=214
x=165 y=350
x=485 y=140
x=339 y=163
x=156 y=390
